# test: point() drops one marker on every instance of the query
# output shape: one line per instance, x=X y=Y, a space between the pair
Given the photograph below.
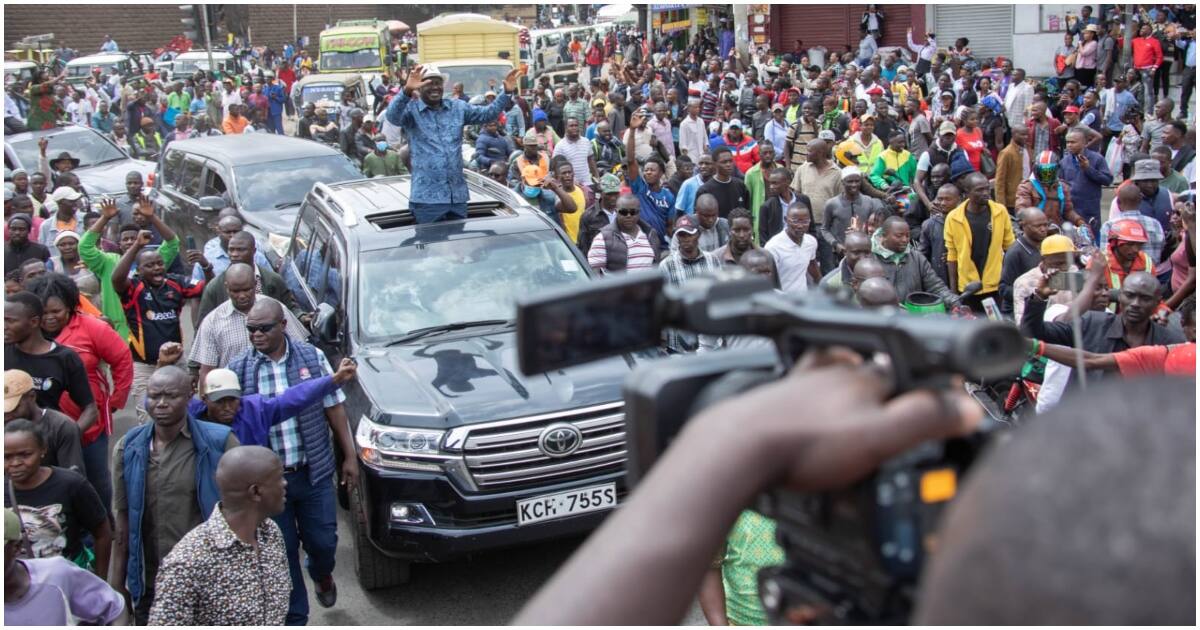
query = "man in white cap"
x=434 y=127
x=252 y=416
x=66 y=217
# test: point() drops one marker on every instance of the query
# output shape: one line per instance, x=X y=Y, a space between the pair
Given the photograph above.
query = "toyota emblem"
x=560 y=440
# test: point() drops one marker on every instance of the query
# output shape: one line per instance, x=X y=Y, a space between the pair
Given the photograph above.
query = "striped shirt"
x=273 y=381
x=675 y=270
x=641 y=255
x=223 y=336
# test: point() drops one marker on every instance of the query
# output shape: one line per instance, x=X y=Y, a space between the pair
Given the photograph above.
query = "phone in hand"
x=1067 y=281
x=191 y=242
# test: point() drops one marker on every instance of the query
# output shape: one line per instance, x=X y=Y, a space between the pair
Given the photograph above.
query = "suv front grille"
x=505 y=455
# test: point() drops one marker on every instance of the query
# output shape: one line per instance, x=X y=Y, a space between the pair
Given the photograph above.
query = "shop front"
x=835 y=27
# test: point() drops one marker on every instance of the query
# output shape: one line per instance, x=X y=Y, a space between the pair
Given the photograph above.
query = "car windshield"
x=90 y=147
x=270 y=185
x=328 y=91
x=408 y=288
x=85 y=69
x=355 y=60
x=475 y=78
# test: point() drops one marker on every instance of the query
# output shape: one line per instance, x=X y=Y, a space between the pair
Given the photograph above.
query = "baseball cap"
x=1071 y=109
x=777 y=107
x=686 y=224
x=65 y=192
x=850 y=171
x=947 y=93
x=610 y=183
x=599 y=102
x=947 y=127
x=220 y=384
x=16 y=383
x=1057 y=244
x=432 y=72
x=532 y=136
x=735 y=123
x=489 y=93
x=827 y=135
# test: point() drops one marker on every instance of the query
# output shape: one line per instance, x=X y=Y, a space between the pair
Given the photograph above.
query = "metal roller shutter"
x=989 y=27
x=818 y=25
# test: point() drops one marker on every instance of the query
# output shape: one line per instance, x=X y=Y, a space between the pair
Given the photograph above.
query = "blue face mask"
x=382 y=146
x=901 y=77
x=533 y=192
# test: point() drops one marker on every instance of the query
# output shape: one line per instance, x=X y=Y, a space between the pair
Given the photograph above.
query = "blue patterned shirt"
x=435 y=137
x=273 y=381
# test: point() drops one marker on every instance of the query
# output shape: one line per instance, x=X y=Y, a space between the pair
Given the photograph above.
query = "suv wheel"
x=374 y=570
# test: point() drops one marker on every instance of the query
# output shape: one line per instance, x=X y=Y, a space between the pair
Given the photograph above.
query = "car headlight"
x=394 y=446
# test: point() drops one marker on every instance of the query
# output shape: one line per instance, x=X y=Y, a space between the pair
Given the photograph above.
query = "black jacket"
x=1185 y=155
x=593 y=220
x=770 y=219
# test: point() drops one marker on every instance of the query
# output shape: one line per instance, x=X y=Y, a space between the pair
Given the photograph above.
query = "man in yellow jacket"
x=977 y=233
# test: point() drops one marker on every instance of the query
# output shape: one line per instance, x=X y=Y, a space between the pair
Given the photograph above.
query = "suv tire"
x=374 y=570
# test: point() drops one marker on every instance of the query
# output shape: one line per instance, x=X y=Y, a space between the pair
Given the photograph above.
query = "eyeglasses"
x=628 y=213
x=262 y=328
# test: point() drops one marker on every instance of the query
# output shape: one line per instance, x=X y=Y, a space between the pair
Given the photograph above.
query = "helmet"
x=847 y=153
x=1128 y=230
x=1045 y=167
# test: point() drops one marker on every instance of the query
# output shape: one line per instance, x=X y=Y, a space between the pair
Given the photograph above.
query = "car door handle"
x=199 y=220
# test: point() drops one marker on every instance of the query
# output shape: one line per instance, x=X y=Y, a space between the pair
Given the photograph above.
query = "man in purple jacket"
x=251 y=417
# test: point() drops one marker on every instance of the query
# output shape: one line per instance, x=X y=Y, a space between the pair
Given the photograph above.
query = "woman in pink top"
x=970 y=137
x=1085 y=56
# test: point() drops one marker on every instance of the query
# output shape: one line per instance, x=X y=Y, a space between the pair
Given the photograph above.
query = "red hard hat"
x=1128 y=230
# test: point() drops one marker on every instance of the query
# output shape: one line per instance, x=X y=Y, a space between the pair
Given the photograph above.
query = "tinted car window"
x=406 y=288
x=190 y=182
x=90 y=147
x=271 y=185
x=172 y=167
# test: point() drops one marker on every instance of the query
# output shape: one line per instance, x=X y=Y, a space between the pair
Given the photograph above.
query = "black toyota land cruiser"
x=459 y=451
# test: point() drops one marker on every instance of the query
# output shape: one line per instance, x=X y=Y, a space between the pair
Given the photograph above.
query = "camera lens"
x=990 y=352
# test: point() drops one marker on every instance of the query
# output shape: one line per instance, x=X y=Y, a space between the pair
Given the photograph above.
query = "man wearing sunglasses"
x=223 y=334
x=276 y=362
x=627 y=243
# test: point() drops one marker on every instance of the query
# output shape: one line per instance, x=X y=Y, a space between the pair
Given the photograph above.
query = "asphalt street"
x=485 y=589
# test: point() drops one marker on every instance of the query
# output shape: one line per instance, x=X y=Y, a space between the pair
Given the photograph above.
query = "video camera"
x=856 y=554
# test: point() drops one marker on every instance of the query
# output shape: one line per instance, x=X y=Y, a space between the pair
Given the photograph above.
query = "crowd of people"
x=919 y=177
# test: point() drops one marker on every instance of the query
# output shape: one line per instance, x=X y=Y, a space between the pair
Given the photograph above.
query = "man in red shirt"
x=1177 y=359
x=1147 y=57
x=288 y=76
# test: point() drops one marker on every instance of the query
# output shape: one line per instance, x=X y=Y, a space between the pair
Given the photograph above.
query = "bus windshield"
x=350 y=60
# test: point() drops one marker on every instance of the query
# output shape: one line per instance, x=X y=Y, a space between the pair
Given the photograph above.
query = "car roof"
x=253 y=148
x=193 y=54
x=105 y=58
x=37 y=133
x=373 y=203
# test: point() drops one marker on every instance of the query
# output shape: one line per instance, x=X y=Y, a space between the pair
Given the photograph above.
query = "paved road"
x=486 y=589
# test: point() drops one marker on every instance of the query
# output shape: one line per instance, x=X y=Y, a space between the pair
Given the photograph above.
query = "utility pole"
x=295 y=32
x=207 y=37
x=1127 y=49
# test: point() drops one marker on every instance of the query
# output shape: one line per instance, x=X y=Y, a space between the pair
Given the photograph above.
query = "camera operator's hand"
x=824 y=426
x=1043 y=289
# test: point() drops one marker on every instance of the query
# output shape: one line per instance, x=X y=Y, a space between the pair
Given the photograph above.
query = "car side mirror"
x=211 y=203
x=324 y=323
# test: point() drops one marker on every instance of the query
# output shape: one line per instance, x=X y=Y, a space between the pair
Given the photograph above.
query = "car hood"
x=109 y=178
x=273 y=222
x=442 y=384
